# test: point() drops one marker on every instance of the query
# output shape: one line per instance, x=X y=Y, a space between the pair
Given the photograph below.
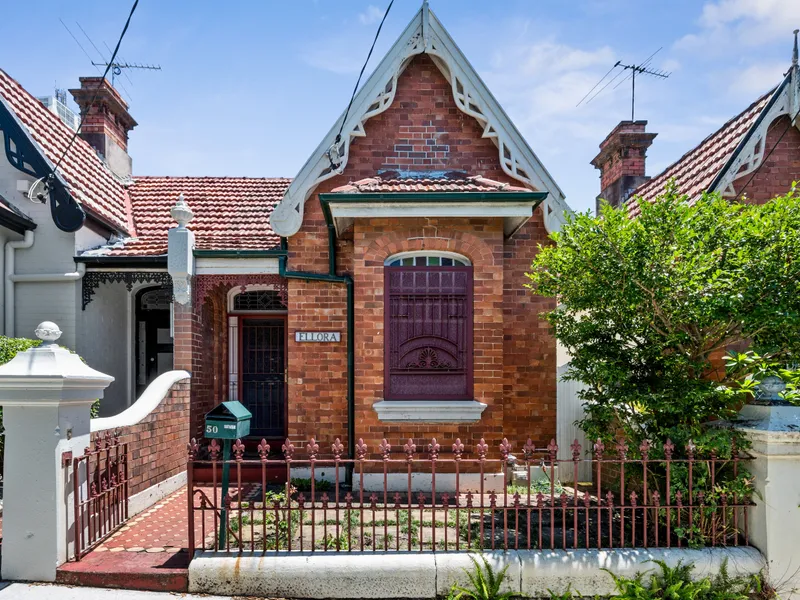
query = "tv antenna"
x=642 y=69
x=116 y=67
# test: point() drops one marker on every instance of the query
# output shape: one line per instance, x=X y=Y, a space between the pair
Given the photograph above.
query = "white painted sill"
x=430 y=411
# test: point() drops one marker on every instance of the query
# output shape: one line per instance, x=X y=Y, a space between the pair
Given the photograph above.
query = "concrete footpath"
x=37 y=591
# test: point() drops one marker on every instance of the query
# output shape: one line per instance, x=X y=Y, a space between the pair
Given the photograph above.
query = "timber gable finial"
x=424 y=35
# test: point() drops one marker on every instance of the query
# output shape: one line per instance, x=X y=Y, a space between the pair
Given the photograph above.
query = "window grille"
x=259 y=301
x=429 y=332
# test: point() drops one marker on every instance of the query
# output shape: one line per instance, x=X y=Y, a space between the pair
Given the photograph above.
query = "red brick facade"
x=780 y=170
x=514 y=353
x=157 y=444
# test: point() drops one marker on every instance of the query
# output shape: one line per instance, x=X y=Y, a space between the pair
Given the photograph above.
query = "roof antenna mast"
x=642 y=68
x=116 y=67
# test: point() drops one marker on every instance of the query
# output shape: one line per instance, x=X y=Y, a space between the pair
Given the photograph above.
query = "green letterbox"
x=228 y=421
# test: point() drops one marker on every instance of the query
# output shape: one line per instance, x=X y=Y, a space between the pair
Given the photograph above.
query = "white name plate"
x=317 y=336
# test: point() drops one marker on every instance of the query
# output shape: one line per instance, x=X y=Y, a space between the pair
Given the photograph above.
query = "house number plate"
x=317 y=336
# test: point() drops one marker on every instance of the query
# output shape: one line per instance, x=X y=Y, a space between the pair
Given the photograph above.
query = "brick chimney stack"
x=107 y=122
x=621 y=161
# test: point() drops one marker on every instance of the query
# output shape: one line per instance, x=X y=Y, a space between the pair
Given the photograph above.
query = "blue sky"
x=249 y=87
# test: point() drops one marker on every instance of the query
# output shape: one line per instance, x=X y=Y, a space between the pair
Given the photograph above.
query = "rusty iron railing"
x=100 y=488
x=467 y=499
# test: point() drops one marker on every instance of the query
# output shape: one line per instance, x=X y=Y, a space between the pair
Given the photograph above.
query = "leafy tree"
x=647 y=306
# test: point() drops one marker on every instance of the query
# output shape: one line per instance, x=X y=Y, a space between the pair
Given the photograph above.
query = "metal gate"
x=100 y=487
x=263 y=374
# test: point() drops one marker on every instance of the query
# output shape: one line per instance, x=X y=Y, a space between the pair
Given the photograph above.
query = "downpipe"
x=347 y=280
x=12 y=278
x=11 y=247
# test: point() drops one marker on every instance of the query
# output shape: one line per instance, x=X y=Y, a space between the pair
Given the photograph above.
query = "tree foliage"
x=647 y=304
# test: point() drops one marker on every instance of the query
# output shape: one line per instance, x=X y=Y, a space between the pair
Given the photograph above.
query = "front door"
x=262 y=376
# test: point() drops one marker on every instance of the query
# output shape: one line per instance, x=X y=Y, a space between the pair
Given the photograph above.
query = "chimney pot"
x=106 y=122
x=621 y=161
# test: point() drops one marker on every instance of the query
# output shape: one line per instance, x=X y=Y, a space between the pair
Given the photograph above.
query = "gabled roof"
x=230 y=213
x=91 y=183
x=424 y=34
x=735 y=150
x=695 y=170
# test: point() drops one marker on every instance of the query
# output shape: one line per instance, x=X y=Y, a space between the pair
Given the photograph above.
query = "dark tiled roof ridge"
x=697 y=168
x=85 y=182
x=697 y=146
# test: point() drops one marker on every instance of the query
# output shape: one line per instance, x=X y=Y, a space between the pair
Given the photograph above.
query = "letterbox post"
x=226 y=475
x=227 y=422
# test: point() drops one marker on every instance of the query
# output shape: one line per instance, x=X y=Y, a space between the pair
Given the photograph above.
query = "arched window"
x=260 y=299
x=428 y=321
x=427 y=259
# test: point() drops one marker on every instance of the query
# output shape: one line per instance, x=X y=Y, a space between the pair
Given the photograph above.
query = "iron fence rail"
x=640 y=501
x=100 y=488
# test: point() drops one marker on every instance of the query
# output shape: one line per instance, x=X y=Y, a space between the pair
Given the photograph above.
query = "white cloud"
x=725 y=24
x=373 y=14
x=756 y=79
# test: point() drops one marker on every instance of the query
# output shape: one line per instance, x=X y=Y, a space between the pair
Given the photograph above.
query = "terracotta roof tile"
x=230 y=213
x=92 y=183
x=448 y=183
x=695 y=170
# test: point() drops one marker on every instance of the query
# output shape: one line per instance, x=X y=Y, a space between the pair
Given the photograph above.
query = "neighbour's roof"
x=230 y=213
x=448 y=182
x=91 y=182
x=695 y=170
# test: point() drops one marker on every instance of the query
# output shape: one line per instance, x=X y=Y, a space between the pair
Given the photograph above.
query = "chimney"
x=107 y=122
x=621 y=161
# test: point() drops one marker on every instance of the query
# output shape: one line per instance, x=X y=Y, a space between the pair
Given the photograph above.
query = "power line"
x=360 y=75
x=596 y=84
x=766 y=158
x=77 y=42
x=97 y=91
x=102 y=59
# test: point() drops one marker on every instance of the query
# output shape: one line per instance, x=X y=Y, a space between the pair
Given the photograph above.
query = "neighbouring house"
x=753 y=157
x=378 y=293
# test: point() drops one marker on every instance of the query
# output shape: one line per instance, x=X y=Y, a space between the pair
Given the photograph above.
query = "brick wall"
x=514 y=368
x=200 y=347
x=777 y=173
x=157 y=445
x=529 y=350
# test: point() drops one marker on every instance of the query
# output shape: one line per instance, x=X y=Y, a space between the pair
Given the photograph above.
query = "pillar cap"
x=50 y=375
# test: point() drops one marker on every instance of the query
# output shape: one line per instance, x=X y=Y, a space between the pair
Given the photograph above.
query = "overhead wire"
x=596 y=84
x=361 y=74
x=766 y=158
x=97 y=90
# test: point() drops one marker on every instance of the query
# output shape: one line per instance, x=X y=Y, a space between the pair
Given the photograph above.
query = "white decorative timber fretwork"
x=749 y=155
x=425 y=34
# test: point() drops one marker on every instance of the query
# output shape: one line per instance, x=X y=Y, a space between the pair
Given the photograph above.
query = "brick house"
x=378 y=293
x=754 y=157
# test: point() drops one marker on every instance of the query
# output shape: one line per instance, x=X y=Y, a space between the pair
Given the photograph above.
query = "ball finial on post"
x=48 y=332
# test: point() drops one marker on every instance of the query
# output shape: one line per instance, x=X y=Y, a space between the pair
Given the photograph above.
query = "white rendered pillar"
x=46 y=394
x=774 y=524
x=180 y=252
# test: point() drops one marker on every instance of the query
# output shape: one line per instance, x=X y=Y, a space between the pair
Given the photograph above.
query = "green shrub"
x=9 y=347
x=304 y=484
x=676 y=583
x=484 y=582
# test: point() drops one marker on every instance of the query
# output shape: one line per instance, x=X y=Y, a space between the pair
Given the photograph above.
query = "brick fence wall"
x=157 y=444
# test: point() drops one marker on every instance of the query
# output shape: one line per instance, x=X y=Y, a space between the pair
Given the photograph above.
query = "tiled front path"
x=148 y=553
x=161 y=528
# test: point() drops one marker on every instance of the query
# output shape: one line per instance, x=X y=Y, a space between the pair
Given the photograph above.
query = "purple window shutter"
x=428 y=319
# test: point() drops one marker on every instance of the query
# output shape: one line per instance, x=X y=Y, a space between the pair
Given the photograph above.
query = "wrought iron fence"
x=100 y=487
x=410 y=499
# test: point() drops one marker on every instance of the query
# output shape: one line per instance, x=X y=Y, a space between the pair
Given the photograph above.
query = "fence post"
x=774 y=525
x=46 y=394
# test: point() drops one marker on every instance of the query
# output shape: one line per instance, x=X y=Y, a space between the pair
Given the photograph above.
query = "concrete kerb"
x=426 y=575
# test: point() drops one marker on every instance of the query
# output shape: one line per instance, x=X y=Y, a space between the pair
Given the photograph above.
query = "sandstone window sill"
x=430 y=411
